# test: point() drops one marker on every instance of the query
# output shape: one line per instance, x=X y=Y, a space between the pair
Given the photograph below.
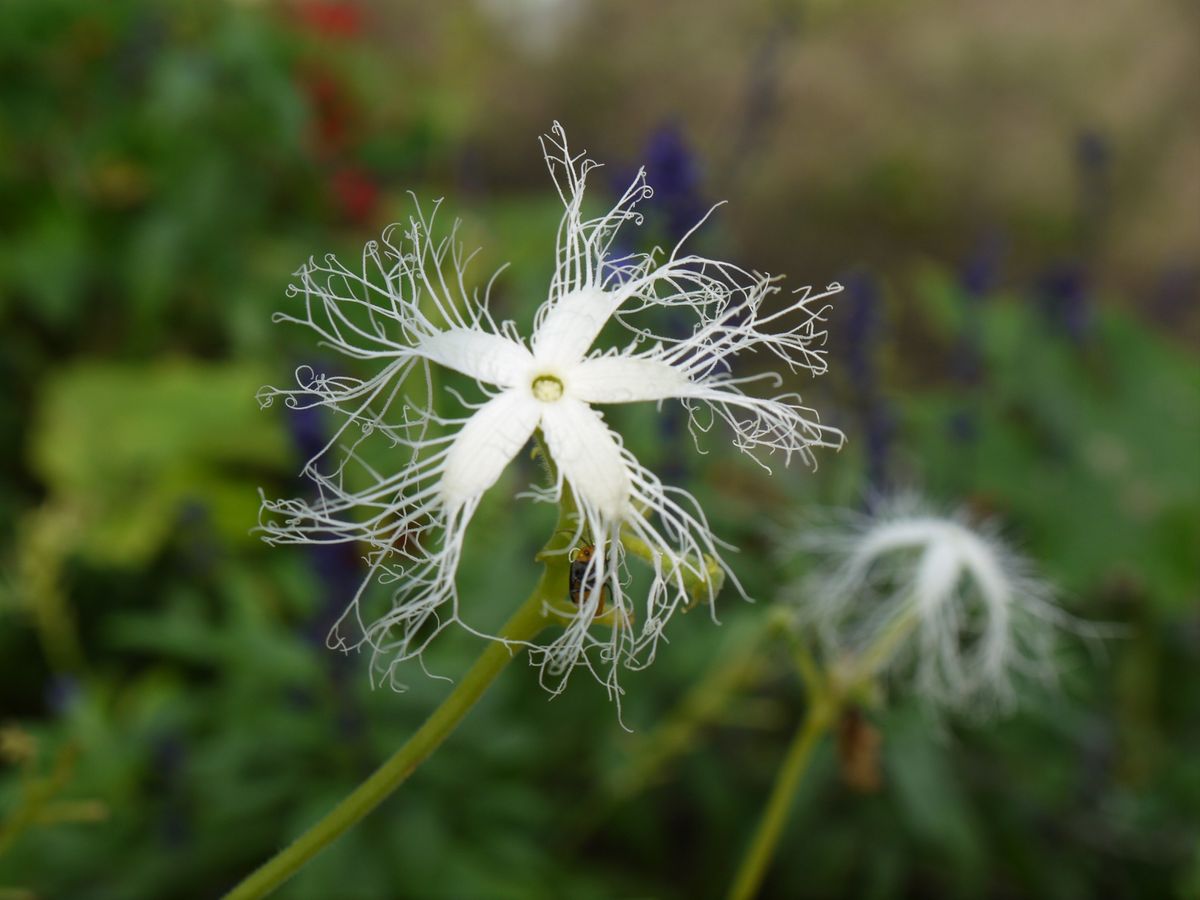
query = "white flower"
x=407 y=306
x=919 y=595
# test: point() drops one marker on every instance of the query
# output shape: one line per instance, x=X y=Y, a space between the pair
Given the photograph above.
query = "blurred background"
x=1010 y=194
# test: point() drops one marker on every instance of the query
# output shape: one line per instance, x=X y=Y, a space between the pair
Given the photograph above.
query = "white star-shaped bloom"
x=407 y=307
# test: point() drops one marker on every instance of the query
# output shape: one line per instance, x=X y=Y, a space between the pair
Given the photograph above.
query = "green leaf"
x=130 y=447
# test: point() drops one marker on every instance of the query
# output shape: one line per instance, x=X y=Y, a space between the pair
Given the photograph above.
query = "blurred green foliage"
x=125 y=133
x=168 y=711
x=1101 y=430
x=172 y=433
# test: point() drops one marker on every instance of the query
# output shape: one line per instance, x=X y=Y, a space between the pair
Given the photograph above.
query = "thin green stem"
x=523 y=626
x=878 y=654
x=828 y=694
x=815 y=681
x=762 y=847
x=742 y=662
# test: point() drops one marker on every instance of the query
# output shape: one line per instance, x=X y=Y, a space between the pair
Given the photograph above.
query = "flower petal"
x=587 y=454
x=486 y=444
x=567 y=328
x=617 y=379
x=487 y=357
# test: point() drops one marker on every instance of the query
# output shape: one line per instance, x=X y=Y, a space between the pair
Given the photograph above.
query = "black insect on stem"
x=583 y=576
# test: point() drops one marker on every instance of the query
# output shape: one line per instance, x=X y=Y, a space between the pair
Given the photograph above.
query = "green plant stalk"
x=875 y=657
x=702 y=706
x=758 y=855
x=827 y=696
x=523 y=626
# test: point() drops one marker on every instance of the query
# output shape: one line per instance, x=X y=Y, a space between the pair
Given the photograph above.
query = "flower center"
x=547 y=388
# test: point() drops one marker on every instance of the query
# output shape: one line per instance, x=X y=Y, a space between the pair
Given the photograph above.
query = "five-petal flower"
x=407 y=307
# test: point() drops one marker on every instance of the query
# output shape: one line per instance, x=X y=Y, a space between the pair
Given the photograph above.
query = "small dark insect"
x=581 y=582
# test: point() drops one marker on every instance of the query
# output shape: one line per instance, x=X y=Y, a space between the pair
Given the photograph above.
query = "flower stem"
x=762 y=848
x=828 y=694
x=525 y=623
x=876 y=657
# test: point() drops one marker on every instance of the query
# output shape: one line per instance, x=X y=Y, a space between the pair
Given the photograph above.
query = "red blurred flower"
x=355 y=193
x=330 y=18
x=333 y=113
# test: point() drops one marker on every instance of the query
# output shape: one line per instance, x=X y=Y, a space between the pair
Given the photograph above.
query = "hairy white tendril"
x=406 y=307
x=933 y=600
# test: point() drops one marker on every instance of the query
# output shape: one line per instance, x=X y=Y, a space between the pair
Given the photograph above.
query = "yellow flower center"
x=547 y=388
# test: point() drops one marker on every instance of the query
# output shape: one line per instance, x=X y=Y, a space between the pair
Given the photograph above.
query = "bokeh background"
x=1010 y=193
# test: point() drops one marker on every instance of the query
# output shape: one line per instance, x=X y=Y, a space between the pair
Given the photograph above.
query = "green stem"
x=703 y=704
x=762 y=848
x=815 y=681
x=523 y=626
x=875 y=657
x=828 y=694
